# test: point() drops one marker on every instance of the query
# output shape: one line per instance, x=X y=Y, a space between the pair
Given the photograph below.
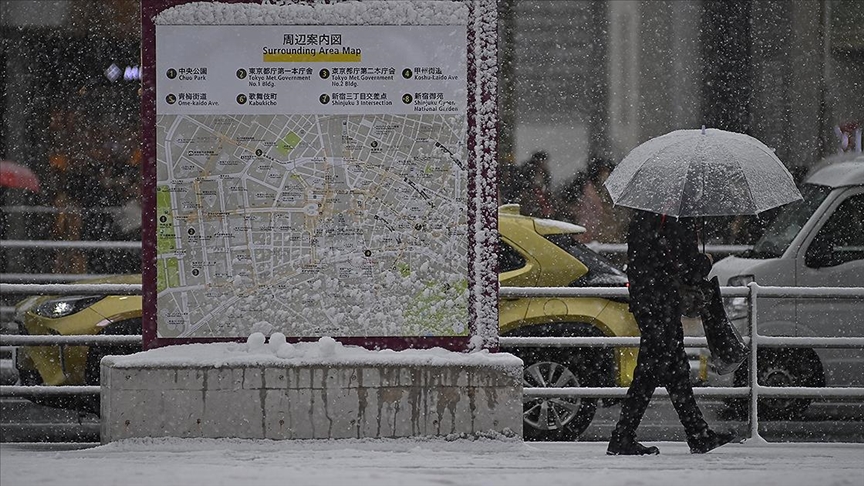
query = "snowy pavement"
x=498 y=462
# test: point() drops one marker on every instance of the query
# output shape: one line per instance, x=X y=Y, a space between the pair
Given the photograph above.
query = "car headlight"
x=64 y=306
x=736 y=307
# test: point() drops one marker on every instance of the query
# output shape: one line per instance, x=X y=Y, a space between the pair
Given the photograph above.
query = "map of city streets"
x=311 y=225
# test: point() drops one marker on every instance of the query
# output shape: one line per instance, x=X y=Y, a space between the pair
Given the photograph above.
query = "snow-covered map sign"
x=311 y=176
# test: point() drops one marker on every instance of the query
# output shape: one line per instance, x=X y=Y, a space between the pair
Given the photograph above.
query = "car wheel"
x=781 y=368
x=96 y=353
x=555 y=418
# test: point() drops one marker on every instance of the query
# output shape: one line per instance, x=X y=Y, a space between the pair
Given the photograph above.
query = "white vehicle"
x=817 y=242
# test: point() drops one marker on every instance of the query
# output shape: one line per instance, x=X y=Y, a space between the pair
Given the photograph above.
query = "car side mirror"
x=819 y=254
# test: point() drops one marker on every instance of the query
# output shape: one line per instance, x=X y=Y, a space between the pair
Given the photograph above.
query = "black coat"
x=662 y=253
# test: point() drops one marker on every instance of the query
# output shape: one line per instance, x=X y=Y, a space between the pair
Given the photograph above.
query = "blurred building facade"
x=69 y=106
x=595 y=79
x=580 y=80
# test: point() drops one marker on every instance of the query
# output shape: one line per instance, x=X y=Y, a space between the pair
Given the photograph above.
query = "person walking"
x=593 y=209
x=663 y=254
x=534 y=195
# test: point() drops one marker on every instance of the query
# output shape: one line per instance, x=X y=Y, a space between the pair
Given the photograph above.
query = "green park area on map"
x=167 y=271
x=288 y=143
x=166 y=240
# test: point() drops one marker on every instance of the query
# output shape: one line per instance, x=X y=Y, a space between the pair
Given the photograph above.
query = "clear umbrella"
x=702 y=173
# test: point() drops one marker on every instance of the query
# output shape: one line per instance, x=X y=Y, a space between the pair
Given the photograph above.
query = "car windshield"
x=601 y=272
x=780 y=233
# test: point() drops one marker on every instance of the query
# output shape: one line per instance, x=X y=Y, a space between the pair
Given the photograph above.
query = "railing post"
x=754 y=370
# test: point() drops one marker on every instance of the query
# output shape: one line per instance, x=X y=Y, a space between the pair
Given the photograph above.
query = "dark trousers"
x=662 y=361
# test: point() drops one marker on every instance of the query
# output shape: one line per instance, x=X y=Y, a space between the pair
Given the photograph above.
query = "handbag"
x=727 y=347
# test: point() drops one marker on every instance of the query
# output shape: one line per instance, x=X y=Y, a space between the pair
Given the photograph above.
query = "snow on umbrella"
x=17 y=176
x=702 y=173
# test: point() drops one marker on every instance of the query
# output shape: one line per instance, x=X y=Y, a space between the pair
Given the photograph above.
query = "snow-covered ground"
x=415 y=462
x=497 y=461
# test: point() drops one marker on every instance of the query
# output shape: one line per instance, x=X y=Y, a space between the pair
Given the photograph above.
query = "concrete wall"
x=295 y=401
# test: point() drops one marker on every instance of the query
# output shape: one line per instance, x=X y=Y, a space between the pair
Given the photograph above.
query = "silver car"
x=817 y=242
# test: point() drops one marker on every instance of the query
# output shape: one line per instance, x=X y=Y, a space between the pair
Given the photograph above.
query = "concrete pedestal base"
x=290 y=399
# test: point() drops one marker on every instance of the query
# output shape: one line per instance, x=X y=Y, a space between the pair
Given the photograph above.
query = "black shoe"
x=709 y=441
x=627 y=446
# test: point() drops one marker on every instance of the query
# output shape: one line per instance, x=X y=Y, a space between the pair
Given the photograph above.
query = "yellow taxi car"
x=536 y=252
x=75 y=315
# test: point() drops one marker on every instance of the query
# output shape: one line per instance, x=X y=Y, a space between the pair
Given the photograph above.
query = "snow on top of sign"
x=257 y=351
x=380 y=12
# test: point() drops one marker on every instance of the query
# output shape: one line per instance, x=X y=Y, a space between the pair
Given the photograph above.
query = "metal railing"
x=617 y=248
x=59 y=210
x=70 y=289
x=49 y=277
x=604 y=248
x=12 y=340
x=754 y=390
x=71 y=245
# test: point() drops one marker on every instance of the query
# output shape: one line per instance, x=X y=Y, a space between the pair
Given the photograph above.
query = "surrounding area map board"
x=311 y=180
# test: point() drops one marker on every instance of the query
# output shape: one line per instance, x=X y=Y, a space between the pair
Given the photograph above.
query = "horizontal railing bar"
x=810 y=342
x=815 y=292
x=764 y=391
x=49 y=277
x=504 y=342
x=810 y=392
x=56 y=210
x=586 y=342
x=689 y=341
x=48 y=391
x=70 y=289
x=524 y=292
x=505 y=292
x=77 y=340
x=587 y=392
x=80 y=245
x=608 y=248
x=621 y=392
